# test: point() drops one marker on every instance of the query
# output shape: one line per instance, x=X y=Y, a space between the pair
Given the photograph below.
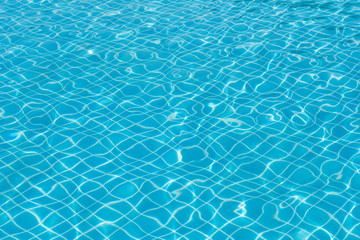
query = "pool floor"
x=166 y=119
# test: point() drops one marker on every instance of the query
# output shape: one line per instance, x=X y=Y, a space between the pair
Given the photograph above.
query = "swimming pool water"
x=166 y=119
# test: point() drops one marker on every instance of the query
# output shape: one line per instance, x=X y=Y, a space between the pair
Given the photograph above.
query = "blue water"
x=182 y=119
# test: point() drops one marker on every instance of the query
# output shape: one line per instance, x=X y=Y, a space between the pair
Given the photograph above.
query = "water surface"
x=179 y=119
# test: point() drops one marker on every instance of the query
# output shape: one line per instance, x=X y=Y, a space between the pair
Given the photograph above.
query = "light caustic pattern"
x=179 y=120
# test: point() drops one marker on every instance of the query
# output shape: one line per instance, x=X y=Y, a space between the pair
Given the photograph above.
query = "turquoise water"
x=179 y=119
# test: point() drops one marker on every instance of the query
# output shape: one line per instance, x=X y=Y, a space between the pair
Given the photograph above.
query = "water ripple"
x=179 y=119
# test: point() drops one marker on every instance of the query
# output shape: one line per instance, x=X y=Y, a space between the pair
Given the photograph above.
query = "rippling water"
x=179 y=119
